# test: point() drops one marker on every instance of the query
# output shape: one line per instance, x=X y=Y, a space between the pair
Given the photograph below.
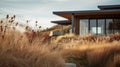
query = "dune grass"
x=17 y=51
x=37 y=49
x=25 y=50
x=92 y=54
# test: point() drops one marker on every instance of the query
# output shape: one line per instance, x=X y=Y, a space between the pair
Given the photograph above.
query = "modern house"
x=104 y=21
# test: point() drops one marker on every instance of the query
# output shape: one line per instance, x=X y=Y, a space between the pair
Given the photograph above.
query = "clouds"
x=61 y=0
x=36 y=9
x=29 y=1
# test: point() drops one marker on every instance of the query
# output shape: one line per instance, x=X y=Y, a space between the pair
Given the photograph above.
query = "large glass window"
x=83 y=26
x=109 y=26
x=101 y=26
x=116 y=25
x=93 y=28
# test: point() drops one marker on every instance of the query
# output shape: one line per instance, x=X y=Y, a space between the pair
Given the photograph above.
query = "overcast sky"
x=41 y=10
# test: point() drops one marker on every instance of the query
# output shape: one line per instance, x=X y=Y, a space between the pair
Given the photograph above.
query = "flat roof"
x=106 y=7
x=62 y=22
x=89 y=14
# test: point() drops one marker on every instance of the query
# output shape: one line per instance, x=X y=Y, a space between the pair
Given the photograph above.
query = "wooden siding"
x=76 y=21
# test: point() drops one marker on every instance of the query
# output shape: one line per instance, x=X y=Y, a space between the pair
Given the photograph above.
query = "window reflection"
x=83 y=26
x=116 y=25
x=112 y=26
x=109 y=26
x=93 y=28
x=101 y=26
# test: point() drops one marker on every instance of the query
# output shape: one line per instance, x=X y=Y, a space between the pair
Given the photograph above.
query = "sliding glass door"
x=83 y=27
x=99 y=26
x=93 y=27
x=109 y=26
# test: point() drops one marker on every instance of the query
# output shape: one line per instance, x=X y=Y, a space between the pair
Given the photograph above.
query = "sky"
x=42 y=10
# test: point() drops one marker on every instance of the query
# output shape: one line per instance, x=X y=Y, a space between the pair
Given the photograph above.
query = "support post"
x=88 y=25
x=62 y=29
x=72 y=22
x=113 y=27
x=96 y=26
x=105 y=31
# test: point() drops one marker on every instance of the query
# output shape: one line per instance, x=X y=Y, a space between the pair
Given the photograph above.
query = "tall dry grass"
x=104 y=55
x=92 y=51
x=37 y=49
x=16 y=50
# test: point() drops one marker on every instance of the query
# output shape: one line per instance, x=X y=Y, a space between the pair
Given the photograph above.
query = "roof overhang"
x=90 y=14
x=62 y=22
x=109 y=7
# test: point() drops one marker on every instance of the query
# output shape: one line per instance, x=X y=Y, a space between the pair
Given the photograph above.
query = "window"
x=116 y=25
x=109 y=26
x=83 y=26
x=101 y=26
x=93 y=28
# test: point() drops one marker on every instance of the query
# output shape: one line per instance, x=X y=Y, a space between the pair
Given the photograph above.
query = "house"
x=104 y=21
x=63 y=23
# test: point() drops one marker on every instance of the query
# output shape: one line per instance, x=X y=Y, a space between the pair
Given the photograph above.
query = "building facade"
x=104 y=21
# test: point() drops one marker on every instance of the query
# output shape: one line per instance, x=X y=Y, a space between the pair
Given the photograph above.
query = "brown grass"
x=37 y=49
x=16 y=50
x=94 y=54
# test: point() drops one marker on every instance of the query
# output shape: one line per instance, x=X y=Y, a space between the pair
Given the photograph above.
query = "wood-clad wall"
x=76 y=25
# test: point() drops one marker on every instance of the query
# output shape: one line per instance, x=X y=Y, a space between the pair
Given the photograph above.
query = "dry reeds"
x=100 y=55
x=35 y=49
x=92 y=50
x=17 y=51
